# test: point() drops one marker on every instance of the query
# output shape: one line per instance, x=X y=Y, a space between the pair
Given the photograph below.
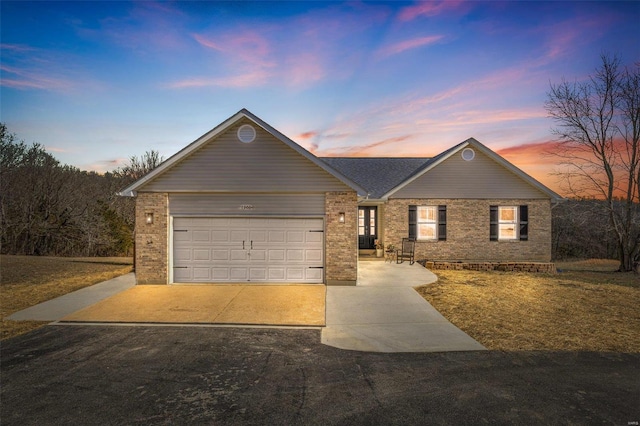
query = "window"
x=509 y=223
x=428 y=223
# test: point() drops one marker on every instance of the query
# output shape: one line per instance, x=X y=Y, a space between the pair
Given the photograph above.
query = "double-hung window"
x=509 y=223
x=428 y=223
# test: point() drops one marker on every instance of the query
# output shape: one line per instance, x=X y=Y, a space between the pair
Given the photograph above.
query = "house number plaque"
x=246 y=207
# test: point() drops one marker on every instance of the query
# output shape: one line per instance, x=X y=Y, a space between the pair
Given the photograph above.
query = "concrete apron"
x=383 y=313
x=279 y=305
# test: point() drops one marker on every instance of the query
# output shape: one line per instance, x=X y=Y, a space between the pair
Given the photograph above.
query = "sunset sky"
x=98 y=82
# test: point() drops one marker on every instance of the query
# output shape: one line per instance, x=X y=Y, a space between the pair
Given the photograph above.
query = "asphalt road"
x=110 y=375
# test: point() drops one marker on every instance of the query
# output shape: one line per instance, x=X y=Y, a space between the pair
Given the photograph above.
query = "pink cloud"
x=248 y=47
x=367 y=150
x=33 y=79
x=308 y=135
x=427 y=8
x=408 y=45
x=304 y=69
x=251 y=79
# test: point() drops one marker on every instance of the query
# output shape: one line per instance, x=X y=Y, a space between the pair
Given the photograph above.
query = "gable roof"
x=222 y=127
x=377 y=175
x=435 y=161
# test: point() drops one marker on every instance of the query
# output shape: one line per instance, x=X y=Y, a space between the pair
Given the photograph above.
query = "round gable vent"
x=468 y=154
x=246 y=133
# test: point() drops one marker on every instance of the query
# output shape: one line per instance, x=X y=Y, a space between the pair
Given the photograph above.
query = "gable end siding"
x=225 y=164
x=481 y=177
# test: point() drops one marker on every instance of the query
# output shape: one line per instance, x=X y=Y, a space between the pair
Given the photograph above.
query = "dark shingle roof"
x=377 y=175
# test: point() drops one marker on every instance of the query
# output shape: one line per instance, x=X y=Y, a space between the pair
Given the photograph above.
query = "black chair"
x=407 y=251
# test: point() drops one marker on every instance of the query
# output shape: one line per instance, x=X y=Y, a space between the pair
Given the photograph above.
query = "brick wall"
x=468 y=231
x=152 y=255
x=341 y=239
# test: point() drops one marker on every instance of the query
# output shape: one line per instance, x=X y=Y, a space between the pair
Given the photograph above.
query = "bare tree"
x=598 y=129
x=139 y=166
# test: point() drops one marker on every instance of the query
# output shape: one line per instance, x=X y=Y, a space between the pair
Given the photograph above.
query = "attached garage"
x=257 y=250
x=245 y=204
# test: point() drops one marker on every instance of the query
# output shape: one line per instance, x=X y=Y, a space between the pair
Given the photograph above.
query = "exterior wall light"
x=149 y=218
x=341 y=217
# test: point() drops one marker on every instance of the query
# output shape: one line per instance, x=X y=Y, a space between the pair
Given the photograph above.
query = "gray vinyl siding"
x=479 y=178
x=227 y=165
x=246 y=204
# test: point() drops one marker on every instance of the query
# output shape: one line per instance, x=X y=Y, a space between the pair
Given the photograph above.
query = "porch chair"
x=407 y=251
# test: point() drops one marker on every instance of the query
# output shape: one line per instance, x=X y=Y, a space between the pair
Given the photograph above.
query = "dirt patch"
x=28 y=280
x=586 y=310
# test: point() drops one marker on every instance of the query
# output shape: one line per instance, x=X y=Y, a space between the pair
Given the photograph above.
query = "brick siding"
x=341 y=239
x=152 y=257
x=468 y=231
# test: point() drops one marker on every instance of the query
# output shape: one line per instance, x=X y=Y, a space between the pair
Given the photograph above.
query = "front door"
x=367 y=227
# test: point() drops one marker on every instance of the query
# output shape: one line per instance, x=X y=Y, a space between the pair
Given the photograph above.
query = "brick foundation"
x=549 y=268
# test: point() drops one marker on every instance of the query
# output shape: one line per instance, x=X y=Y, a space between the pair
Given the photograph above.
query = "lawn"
x=28 y=280
x=587 y=306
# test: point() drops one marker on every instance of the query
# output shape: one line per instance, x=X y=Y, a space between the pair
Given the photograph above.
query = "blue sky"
x=98 y=82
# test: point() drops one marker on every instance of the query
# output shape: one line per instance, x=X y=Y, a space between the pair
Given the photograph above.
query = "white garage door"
x=248 y=249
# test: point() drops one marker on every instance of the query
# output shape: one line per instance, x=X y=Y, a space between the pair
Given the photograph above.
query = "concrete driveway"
x=383 y=313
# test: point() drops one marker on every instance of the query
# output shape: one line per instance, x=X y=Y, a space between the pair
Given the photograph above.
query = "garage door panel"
x=312 y=274
x=237 y=254
x=219 y=236
x=182 y=254
x=276 y=255
x=258 y=255
x=201 y=235
x=277 y=237
x=239 y=274
x=313 y=256
x=276 y=274
x=182 y=275
x=220 y=274
x=248 y=249
x=295 y=237
x=294 y=255
x=220 y=255
x=200 y=254
x=202 y=274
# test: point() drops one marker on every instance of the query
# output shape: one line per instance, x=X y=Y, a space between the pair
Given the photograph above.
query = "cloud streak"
x=403 y=46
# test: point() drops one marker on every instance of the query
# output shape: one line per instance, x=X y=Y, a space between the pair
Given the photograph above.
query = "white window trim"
x=514 y=222
x=433 y=223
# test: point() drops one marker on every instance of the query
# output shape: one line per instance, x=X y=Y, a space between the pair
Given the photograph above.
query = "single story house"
x=244 y=203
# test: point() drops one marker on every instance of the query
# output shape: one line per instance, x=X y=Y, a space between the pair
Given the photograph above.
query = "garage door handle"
x=242 y=244
x=316 y=267
x=251 y=248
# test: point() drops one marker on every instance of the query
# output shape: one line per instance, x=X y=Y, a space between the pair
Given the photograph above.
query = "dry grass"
x=587 y=307
x=28 y=280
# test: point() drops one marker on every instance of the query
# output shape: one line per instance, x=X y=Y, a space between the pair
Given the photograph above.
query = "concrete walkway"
x=60 y=307
x=383 y=313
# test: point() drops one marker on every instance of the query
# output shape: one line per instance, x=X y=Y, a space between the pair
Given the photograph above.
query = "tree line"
x=53 y=209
